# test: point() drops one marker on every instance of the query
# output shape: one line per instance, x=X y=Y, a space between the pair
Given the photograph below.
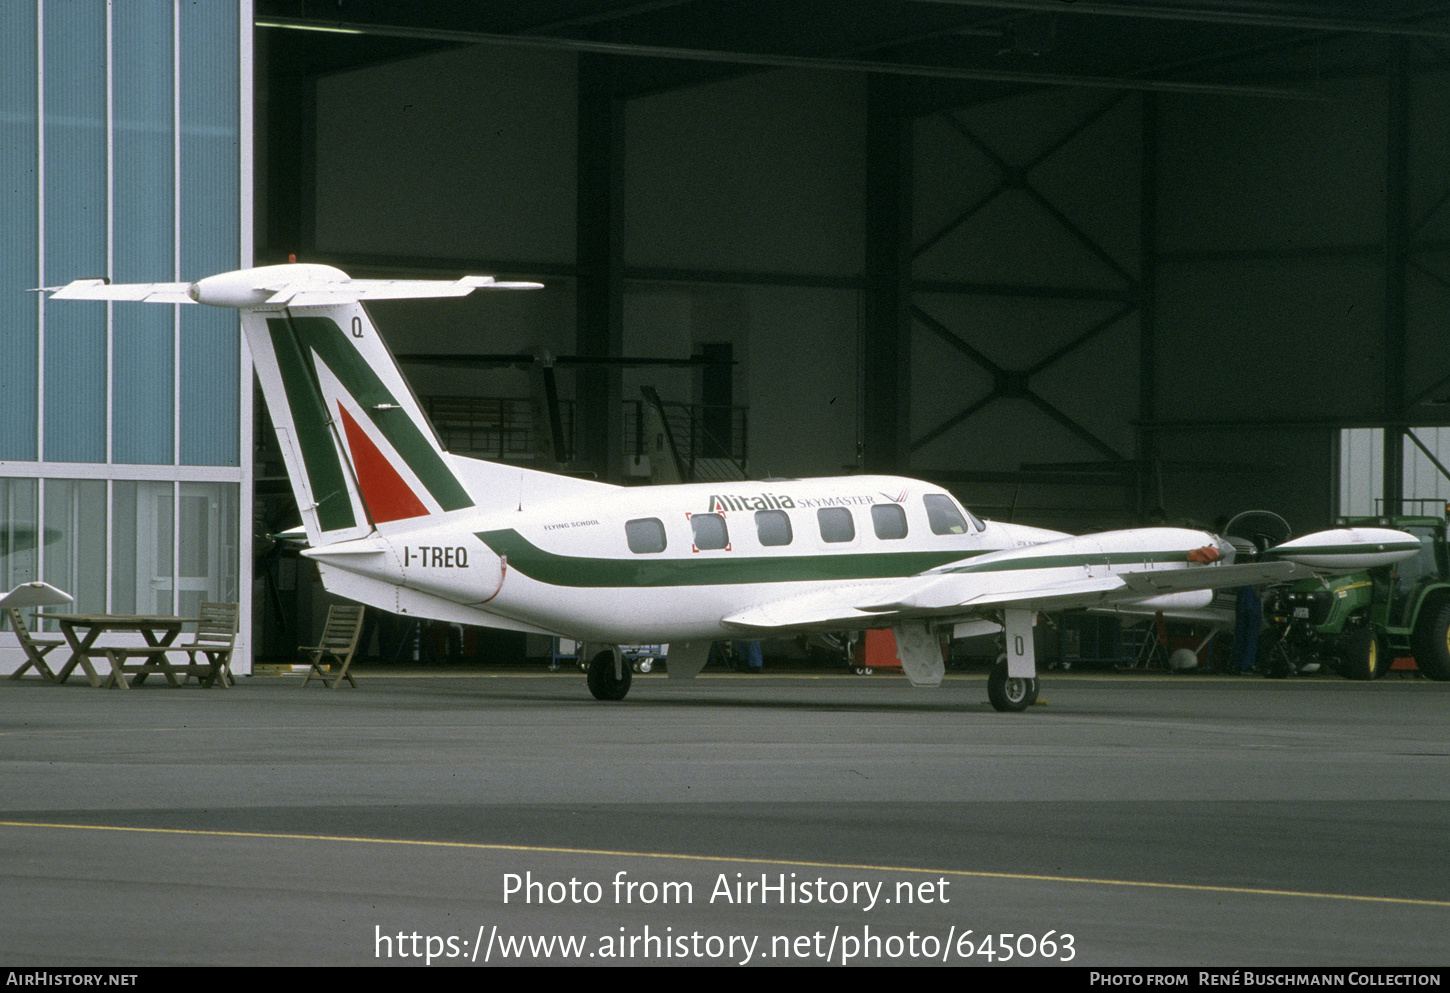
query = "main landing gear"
x=1006 y=693
x=609 y=676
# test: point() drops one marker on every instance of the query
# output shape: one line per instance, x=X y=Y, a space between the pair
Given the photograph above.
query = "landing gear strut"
x=1008 y=692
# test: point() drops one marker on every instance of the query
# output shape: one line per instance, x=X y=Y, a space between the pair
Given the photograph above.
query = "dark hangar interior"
x=1075 y=260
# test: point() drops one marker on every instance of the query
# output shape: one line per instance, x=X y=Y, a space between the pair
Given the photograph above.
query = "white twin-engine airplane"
x=395 y=522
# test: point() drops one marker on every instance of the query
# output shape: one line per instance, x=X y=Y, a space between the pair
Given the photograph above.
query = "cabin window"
x=836 y=524
x=645 y=535
x=943 y=516
x=772 y=527
x=889 y=520
x=710 y=531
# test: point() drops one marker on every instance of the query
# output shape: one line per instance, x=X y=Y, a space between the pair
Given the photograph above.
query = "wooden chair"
x=339 y=642
x=36 y=649
x=216 y=635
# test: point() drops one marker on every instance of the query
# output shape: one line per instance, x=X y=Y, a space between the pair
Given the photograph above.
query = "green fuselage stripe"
x=706 y=568
x=1361 y=548
x=1076 y=560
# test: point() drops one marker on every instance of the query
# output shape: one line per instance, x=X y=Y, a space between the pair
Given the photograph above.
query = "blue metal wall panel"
x=144 y=365
x=75 y=228
x=210 y=133
x=19 y=235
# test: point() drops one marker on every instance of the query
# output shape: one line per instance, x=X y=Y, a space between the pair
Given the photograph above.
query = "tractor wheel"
x=1432 y=643
x=1363 y=654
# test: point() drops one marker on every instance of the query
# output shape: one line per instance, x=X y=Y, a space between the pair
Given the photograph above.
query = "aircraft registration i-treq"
x=395 y=522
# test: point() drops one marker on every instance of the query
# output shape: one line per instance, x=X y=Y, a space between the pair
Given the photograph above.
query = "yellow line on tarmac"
x=737 y=860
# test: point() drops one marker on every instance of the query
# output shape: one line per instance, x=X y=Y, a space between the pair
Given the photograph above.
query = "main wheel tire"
x=1432 y=643
x=1363 y=654
x=1008 y=694
x=602 y=682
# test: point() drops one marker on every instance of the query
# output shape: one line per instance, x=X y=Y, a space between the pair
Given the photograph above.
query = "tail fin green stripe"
x=325 y=474
x=322 y=335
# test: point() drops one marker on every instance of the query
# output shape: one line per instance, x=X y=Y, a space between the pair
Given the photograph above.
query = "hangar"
x=1074 y=261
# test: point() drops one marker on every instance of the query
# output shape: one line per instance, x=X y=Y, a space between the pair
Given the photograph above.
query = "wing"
x=959 y=598
x=1145 y=568
x=1142 y=569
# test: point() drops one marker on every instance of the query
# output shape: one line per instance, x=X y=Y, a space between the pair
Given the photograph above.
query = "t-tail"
x=360 y=453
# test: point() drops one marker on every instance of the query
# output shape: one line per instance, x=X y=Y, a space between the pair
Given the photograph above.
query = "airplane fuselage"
x=666 y=563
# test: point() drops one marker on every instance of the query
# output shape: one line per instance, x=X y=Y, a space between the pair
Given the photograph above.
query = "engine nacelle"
x=1347 y=549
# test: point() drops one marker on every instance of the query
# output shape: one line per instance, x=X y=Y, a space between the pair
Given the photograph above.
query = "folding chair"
x=339 y=642
x=216 y=634
x=36 y=649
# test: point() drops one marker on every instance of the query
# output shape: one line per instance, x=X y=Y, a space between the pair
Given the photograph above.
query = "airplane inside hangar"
x=715 y=320
x=1071 y=266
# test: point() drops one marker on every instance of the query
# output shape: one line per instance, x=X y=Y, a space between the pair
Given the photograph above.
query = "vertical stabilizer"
x=360 y=453
x=359 y=450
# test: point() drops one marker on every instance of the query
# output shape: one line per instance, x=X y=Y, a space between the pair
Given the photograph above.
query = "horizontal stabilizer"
x=326 y=295
x=100 y=289
x=277 y=286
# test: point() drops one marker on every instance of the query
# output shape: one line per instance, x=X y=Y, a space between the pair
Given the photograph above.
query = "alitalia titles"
x=779 y=501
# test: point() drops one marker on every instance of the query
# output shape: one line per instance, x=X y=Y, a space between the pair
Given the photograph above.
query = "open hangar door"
x=1074 y=263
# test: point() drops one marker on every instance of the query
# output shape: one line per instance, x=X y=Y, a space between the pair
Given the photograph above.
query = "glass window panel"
x=645 y=535
x=19 y=234
x=156 y=540
x=207 y=563
x=75 y=558
x=710 y=531
x=772 y=527
x=889 y=520
x=943 y=516
x=836 y=524
x=125 y=580
x=20 y=534
x=142 y=542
